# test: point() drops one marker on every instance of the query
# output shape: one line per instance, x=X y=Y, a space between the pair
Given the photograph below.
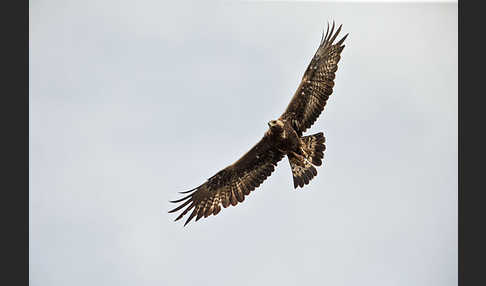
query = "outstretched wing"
x=230 y=185
x=316 y=86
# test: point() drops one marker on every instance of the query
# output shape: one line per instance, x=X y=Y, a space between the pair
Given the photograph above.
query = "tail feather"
x=303 y=169
x=314 y=147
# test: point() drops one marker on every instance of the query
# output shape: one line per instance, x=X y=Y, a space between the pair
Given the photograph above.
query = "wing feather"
x=230 y=185
x=317 y=83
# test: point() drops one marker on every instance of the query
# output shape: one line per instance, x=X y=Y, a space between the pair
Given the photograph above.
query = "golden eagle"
x=284 y=137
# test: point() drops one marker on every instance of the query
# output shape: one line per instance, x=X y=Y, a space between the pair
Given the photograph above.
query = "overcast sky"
x=133 y=101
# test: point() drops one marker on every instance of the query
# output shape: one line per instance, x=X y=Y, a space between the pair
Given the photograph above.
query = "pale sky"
x=133 y=101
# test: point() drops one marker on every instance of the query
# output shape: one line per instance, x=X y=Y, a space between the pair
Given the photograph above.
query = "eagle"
x=284 y=137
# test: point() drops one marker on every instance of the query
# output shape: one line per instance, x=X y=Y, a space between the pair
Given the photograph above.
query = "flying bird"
x=284 y=137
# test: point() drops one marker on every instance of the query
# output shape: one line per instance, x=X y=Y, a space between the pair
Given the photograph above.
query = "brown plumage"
x=231 y=185
x=316 y=86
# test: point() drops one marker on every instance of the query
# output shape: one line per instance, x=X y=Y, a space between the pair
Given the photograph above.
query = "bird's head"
x=276 y=125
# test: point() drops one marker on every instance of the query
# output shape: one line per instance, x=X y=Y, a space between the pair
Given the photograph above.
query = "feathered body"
x=283 y=138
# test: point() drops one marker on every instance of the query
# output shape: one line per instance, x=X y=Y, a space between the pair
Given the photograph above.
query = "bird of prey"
x=284 y=137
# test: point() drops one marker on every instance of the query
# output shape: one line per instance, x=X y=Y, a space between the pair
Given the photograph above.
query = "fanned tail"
x=303 y=169
x=314 y=147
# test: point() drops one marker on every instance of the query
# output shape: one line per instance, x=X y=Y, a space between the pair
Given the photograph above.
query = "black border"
x=459 y=167
x=471 y=227
x=15 y=136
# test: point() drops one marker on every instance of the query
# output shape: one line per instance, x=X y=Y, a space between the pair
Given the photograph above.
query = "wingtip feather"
x=185 y=192
x=180 y=207
x=191 y=216
x=342 y=40
x=180 y=200
x=333 y=38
